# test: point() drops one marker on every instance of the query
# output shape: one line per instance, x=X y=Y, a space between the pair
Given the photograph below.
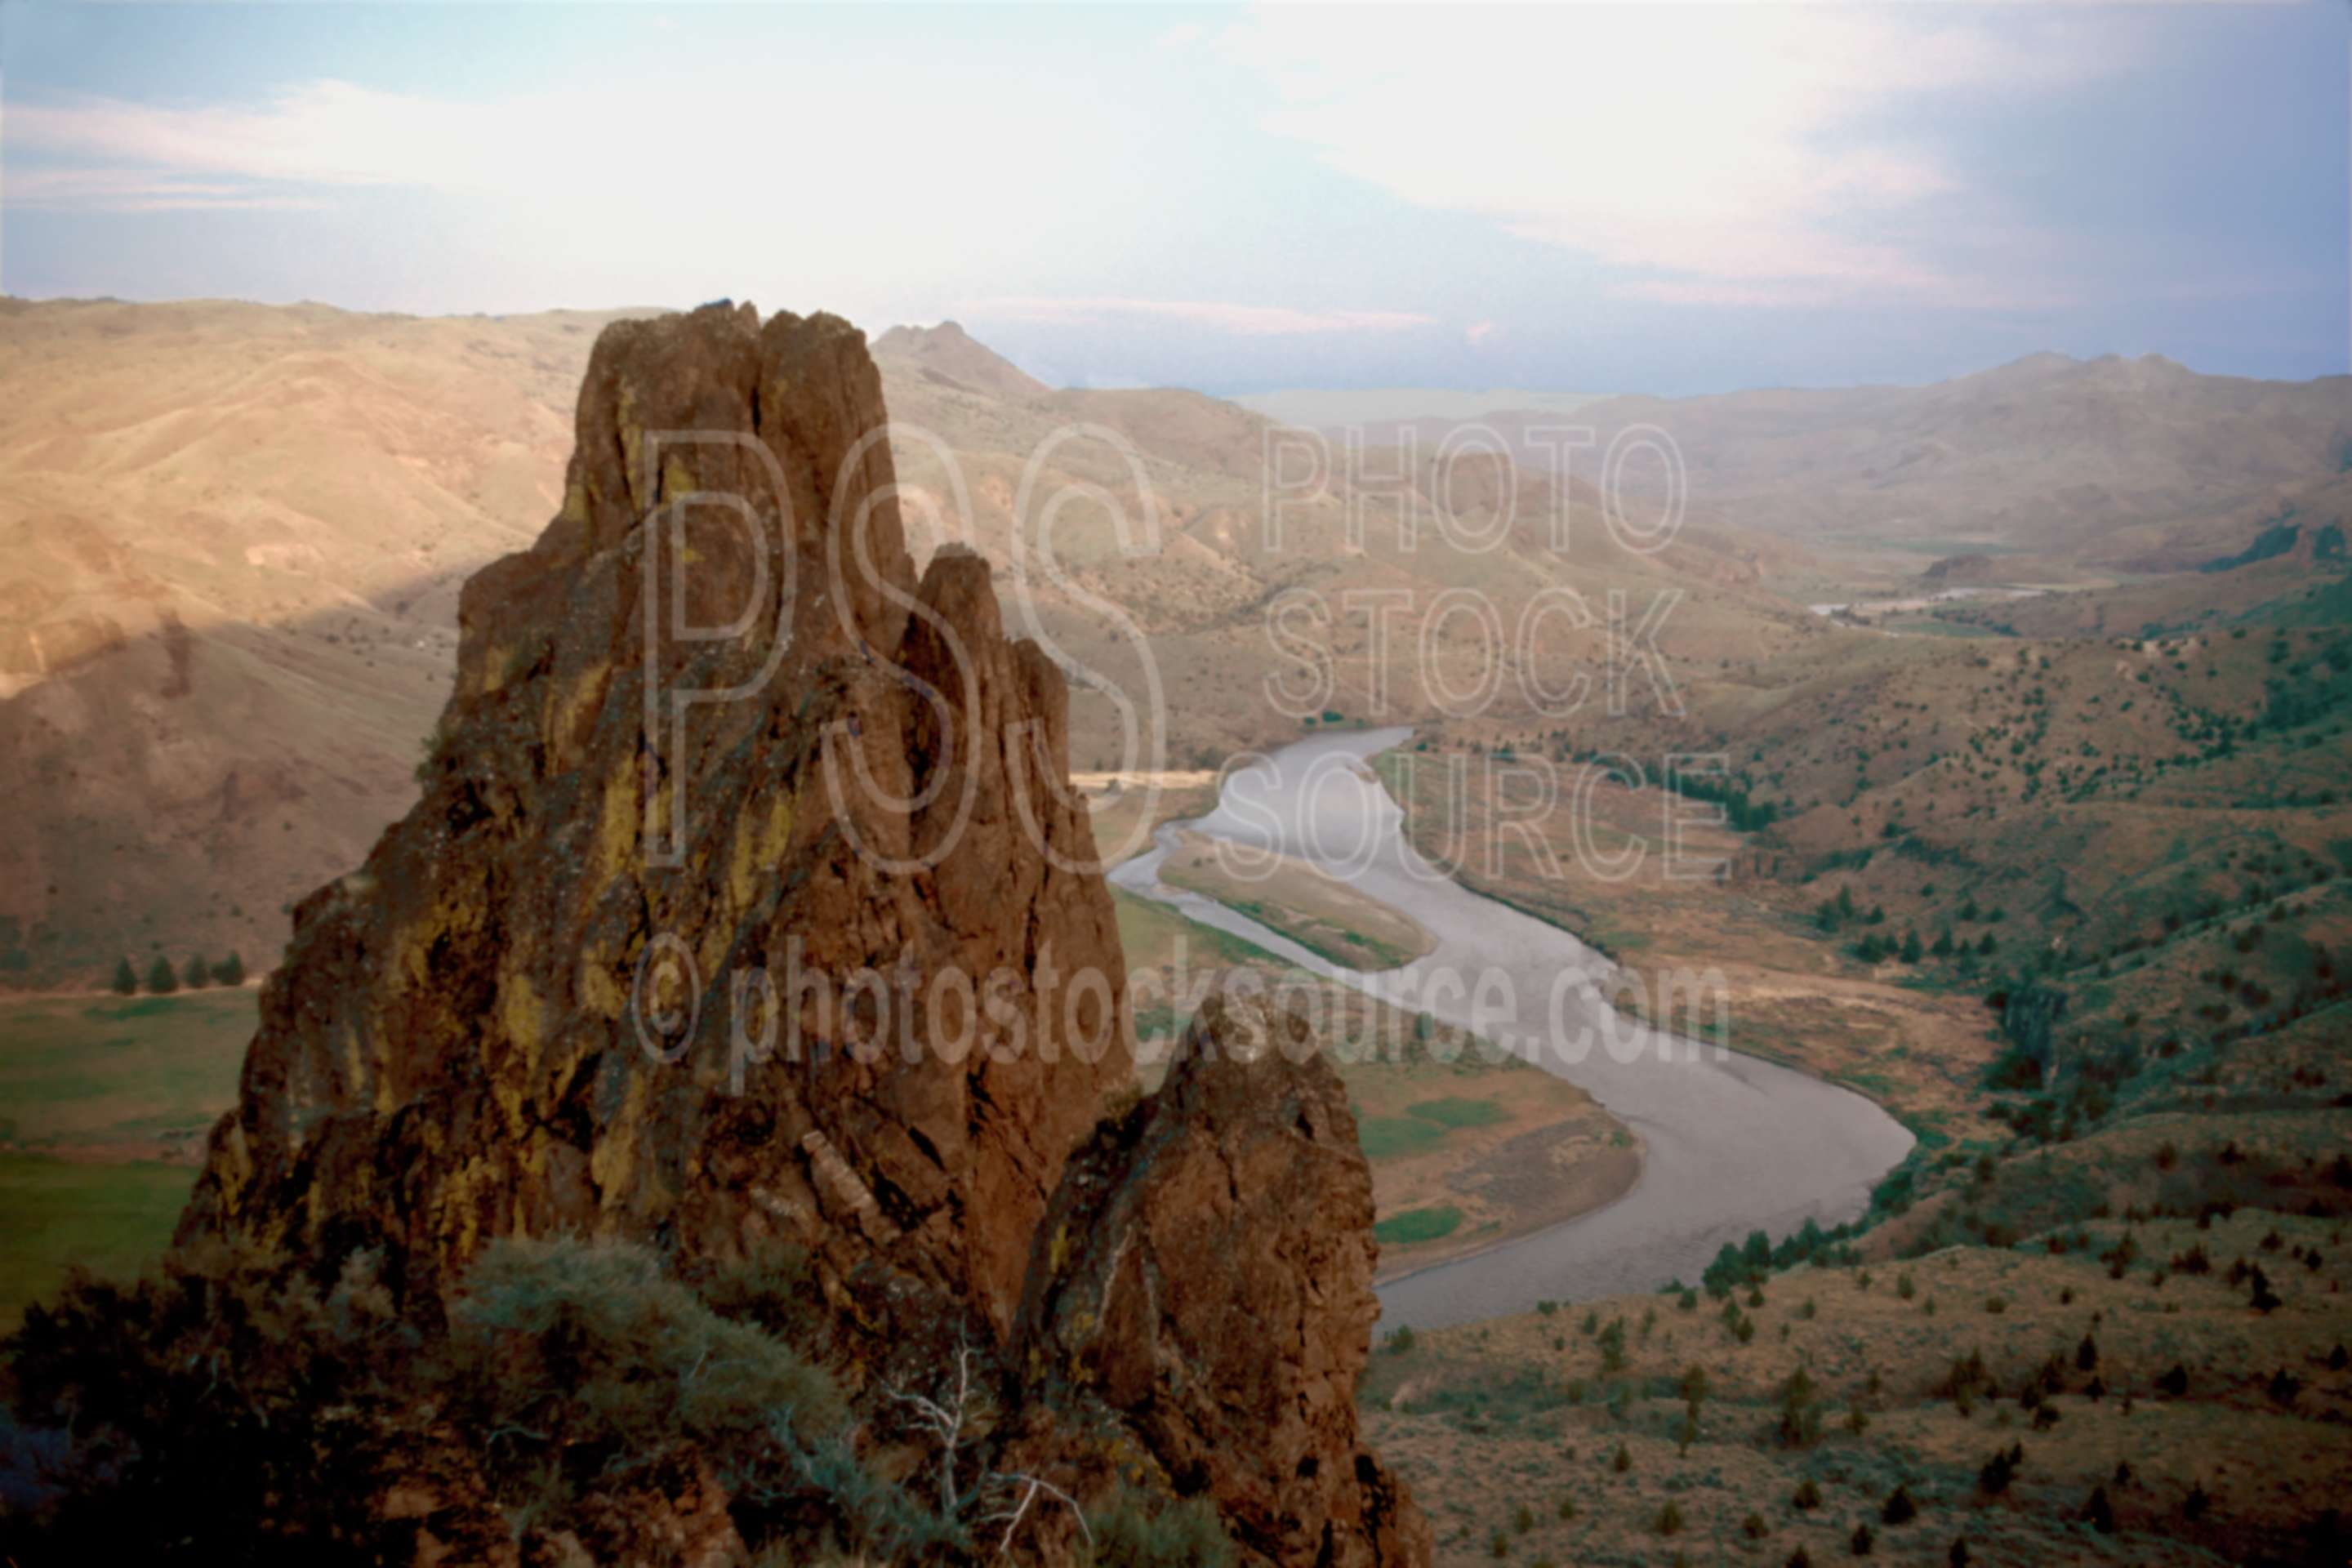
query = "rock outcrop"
x=814 y=959
x=1206 y=1272
x=451 y=1051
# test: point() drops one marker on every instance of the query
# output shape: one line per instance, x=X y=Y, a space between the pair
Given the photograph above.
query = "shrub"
x=225 y=1387
x=1753 y=1526
x=1806 y=1497
x=1800 y=1425
x=1622 y=1460
x=1523 y=1518
x=1863 y=1539
x=591 y=1342
x=1129 y=1534
x=234 y=1388
x=1899 y=1509
x=1670 y=1519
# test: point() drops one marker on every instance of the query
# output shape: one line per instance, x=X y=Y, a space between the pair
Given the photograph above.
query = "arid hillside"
x=2139 y=465
x=228 y=613
x=1170 y=522
x=234 y=537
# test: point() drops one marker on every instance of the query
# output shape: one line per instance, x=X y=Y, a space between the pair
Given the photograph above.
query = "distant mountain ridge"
x=2091 y=461
x=953 y=355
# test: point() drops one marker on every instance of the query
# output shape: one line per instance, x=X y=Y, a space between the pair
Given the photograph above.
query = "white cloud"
x=1748 y=152
x=1477 y=332
x=139 y=190
x=638 y=180
x=1248 y=321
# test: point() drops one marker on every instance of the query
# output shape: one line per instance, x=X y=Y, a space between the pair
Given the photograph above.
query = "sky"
x=1670 y=198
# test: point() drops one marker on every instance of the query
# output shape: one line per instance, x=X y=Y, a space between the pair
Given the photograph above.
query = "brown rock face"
x=1205 y=1273
x=820 y=964
x=451 y=1051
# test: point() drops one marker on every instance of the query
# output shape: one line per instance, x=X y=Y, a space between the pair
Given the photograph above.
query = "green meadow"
x=104 y=1107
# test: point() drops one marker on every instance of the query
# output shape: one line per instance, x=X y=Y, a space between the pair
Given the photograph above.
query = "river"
x=1734 y=1143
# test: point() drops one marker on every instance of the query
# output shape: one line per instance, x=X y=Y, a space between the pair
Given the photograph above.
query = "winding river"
x=1734 y=1143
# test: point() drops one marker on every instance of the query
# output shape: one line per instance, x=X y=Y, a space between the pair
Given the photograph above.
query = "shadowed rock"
x=1205 y=1273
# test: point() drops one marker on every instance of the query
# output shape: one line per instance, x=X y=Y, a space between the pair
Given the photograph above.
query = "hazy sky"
x=1670 y=198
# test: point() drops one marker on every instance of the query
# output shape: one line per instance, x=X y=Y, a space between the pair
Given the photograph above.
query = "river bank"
x=1733 y=1143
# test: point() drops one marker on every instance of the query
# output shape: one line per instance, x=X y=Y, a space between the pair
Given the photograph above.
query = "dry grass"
x=1317 y=910
x=1529 y=1411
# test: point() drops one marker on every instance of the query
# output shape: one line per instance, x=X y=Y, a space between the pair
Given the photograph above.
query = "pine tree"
x=126 y=979
x=161 y=978
x=1912 y=950
x=230 y=971
x=198 y=973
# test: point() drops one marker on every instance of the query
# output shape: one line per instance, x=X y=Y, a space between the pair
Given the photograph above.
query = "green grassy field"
x=57 y=1213
x=1418 y=1225
x=106 y=1103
